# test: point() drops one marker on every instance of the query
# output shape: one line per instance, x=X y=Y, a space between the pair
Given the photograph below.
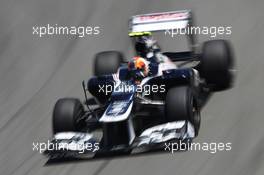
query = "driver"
x=138 y=68
x=149 y=57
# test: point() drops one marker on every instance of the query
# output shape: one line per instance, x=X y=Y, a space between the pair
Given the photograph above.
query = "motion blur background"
x=35 y=72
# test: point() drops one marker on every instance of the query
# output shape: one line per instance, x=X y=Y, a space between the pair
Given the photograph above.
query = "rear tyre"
x=181 y=104
x=107 y=62
x=66 y=113
x=216 y=64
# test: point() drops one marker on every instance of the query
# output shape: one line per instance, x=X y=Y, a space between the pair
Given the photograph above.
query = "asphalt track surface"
x=35 y=72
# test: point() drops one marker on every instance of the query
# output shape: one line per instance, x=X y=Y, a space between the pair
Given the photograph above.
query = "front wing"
x=85 y=145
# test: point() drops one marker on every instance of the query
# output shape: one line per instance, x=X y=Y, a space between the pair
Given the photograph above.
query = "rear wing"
x=164 y=21
x=160 y=21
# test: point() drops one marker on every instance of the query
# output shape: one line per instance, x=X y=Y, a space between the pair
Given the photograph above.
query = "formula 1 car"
x=127 y=116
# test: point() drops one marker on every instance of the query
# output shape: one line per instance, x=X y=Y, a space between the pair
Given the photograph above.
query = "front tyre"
x=66 y=113
x=180 y=104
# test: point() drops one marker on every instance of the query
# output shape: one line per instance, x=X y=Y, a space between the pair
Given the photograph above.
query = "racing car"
x=139 y=105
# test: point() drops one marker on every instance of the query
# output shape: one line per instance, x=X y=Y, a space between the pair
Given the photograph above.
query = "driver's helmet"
x=145 y=44
x=138 y=68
